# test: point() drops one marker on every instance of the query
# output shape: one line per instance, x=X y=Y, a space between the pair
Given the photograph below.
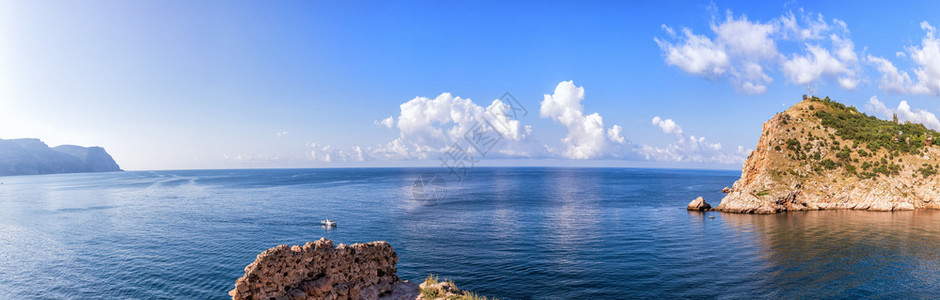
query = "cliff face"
x=33 y=157
x=819 y=154
x=318 y=270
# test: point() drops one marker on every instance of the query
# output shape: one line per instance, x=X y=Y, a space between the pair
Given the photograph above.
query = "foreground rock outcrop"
x=318 y=270
x=820 y=154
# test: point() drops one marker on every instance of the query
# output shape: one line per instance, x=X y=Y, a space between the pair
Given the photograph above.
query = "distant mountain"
x=32 y=157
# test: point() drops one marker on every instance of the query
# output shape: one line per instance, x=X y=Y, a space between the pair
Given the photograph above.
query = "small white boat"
x=328 y=223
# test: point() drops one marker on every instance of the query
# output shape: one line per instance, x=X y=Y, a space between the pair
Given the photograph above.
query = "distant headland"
x=820 y=154
x=33 y=157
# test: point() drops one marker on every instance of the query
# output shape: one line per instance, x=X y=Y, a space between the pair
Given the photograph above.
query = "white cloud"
x=280 y=134
x=689 y=149
x=808 y=68
x=743 y=51
x=736 y=52
x=586 y=137
x=321 y=152
x=892 y=80
x=813 y=28
x=905 y=113
x=927 y=71
x=927 y=58
x=667 y=125
x=697 y=55
x=241 y=158
x=745 y=38
x=326 y=153
x=695 y=150
x=879 y=108
x=387 y=122
x=428 y=127
x=615 y=133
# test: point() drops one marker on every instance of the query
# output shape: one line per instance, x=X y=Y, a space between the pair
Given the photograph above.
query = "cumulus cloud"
x=321 y=152
x=326 y=153
x=387 y=122
x=615 y=134
x=814 y=26
x=926 y=57
x=280 y=134
x=904 y=112
x=892 y=80
x=667 y=125
x=586 y=137
x=429 y=127
x=697 y=54
x=877 y=107
x=841 y=64
x=694 y=149
x=743 y=50
x=689 y=148
x=735 y=52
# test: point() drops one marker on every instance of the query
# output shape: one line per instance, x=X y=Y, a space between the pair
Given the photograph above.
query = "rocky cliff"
x=820 y=154
x=32 y=157
x=318 y=270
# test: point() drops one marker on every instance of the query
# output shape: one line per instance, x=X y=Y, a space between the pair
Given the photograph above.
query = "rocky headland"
x=318 y=270
x=33 y=157
x=820 y=154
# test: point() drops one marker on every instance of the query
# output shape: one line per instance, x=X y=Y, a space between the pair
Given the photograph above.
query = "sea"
x=507 y=232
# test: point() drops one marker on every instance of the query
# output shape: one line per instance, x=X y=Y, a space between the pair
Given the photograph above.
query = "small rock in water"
x=699 y=205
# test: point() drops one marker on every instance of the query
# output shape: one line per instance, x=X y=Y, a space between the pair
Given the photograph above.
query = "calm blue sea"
x=513 y=233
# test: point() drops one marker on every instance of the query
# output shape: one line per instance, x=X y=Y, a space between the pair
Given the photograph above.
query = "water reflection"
x=847 y=253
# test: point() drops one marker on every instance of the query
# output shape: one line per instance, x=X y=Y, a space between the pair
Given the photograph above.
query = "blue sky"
x=204 y=84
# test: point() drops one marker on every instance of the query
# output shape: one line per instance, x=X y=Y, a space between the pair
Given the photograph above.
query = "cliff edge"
x=820 y=154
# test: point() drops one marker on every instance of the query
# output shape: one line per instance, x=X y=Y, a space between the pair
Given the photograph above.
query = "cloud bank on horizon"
x=429 y=127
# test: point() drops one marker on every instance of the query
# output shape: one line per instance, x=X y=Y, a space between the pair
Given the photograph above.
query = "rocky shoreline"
x=318 y=270
x=806 y=161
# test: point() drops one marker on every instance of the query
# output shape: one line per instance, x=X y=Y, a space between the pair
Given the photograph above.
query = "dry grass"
x=432 y=293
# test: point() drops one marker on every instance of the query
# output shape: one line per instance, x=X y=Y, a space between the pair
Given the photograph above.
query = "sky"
x=232 y=84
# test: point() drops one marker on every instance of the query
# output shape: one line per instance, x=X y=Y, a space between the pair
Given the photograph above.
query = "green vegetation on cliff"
x=874 y=133
x=828 y=136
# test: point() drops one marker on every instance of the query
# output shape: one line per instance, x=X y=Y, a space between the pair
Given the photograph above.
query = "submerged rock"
x=698 y=204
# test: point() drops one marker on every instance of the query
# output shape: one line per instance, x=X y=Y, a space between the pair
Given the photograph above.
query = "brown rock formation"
x=318 y=270
x=698 y=204
x=801 y=163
